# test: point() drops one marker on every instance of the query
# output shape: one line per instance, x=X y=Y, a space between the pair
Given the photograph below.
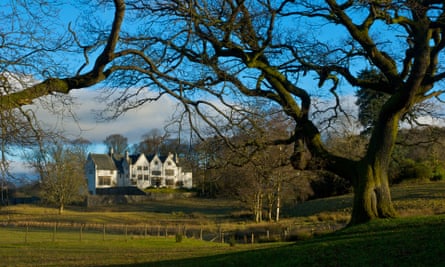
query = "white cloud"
x=133 y=124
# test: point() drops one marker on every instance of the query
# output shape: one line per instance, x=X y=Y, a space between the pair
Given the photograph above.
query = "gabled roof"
x=103 y=162
x=134 y=158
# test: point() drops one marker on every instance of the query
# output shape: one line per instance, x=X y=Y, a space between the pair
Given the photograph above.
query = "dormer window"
x=156 y=162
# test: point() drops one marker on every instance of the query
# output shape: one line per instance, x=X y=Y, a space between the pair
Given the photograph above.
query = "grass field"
x=417 y=238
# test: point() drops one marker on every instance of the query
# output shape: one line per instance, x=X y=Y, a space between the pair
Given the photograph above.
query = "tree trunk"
x=372 y=196
x=258 y=207
x=61 y=206
x=277 y=218
x=270 y=201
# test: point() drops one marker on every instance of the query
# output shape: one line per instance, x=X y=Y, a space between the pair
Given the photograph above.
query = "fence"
x=213 y=233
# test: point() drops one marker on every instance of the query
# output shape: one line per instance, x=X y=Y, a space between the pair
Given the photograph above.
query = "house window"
x=139 y=168
x=104 y=180
x=156 y=162
x=140 y=177
x=156 y=173
x=145 y=177
x=169 y=163
x=145 y=168
x=169 y=172
x=156 y=182
x=169 y=182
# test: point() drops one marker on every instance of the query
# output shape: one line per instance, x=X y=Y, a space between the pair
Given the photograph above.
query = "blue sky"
x=134 y=123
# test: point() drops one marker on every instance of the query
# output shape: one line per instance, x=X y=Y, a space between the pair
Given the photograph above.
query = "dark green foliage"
x=412 y=170
x=328 y=184
x=232 y=241
x=438 y=173
x=369 y=101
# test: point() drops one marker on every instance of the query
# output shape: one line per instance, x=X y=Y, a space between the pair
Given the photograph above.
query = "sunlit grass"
x=410 y=240
x=21 y=247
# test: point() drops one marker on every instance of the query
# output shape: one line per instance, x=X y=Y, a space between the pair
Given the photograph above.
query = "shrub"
x=423 y=171
x=438 y=173
x=178 y=238
x=301 y=235
x=232 y=241
x=411 y=170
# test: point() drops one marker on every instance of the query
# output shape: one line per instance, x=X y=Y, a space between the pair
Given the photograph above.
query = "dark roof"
x=133 y=158
x=103 y=161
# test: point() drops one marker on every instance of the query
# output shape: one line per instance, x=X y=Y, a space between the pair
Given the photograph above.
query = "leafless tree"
x=62 y=175
x=214 y=56
x=38 y=48
x=117 y=142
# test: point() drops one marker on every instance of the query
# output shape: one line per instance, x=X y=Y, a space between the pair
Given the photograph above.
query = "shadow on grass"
x=400 y=242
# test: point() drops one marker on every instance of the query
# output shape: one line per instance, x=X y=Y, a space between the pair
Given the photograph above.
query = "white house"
x=140 y=170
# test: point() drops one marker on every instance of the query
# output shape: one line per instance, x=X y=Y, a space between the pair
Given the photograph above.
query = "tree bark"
x=372 y=197
x=61 y=207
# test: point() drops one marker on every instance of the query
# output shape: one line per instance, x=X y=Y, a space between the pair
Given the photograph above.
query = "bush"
x=300 y=236
x=438 y=173
x=232 y=241
x=327 y=184
x=178 y=238
x=411 y=170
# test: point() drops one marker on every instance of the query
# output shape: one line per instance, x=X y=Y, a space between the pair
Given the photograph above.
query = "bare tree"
x=48 y=79
x=153 y=142
x=61 y=170
x=214 y=56
x=117 y=142
x=231 y=51
x=37 y=52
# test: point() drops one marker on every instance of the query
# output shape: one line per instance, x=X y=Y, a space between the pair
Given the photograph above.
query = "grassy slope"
x=414 y=241
x=408 y=241
x=403 y=242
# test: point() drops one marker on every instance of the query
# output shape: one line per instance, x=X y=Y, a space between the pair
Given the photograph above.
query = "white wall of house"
x=106 y=178
x=187 y=180
x=90 y=172
x=156 y=172
x=141 y=173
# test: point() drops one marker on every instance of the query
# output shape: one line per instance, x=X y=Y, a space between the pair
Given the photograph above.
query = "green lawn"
x=417 y=238
x=414 y=241
x=46 y=248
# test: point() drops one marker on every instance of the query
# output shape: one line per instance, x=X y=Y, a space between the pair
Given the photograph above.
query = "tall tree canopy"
x=213 y=56
x=117 y=142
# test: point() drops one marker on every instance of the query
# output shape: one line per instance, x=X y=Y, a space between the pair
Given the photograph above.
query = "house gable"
x=137 y=170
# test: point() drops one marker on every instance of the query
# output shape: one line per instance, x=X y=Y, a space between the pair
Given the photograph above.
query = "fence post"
x=80 y=233
x=54 y=232
x=26 y=233
x=103 y=232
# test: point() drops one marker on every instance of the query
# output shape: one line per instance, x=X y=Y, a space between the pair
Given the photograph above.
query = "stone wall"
x=108 y=200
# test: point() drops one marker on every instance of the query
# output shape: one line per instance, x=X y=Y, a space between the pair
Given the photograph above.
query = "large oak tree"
x=204 y=52
x=213 y=56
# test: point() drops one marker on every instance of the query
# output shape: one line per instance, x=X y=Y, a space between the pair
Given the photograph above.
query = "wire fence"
x=53 y=231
